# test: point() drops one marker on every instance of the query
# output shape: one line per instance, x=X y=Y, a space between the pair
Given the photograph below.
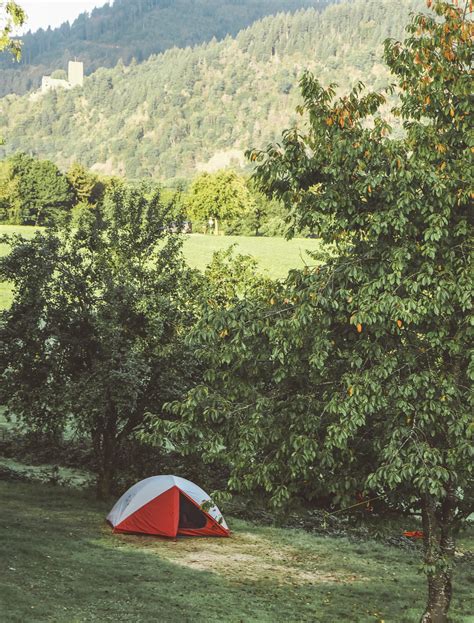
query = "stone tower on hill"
x=76 y=73
x=75 y=78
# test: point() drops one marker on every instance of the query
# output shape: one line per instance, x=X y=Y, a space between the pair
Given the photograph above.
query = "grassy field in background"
x=60 y=562
x=276 y=256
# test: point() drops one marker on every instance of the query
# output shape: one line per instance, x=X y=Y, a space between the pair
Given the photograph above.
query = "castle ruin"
x=75 y=78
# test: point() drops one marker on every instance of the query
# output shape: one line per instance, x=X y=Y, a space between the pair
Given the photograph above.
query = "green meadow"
x=61 y=563
x=275 y=256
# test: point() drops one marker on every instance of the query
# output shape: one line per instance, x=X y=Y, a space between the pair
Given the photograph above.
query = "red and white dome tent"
x=167 y=506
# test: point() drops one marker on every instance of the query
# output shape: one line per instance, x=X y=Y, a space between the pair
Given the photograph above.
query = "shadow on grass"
x=59 y=562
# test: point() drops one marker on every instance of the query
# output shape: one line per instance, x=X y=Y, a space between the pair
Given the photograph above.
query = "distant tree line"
x=12 y=17
x=37 y=192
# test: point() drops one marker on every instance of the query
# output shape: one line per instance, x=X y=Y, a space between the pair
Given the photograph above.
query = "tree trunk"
x=439 y=545
x=104 y=482
x=439 y=598
x=105 y=449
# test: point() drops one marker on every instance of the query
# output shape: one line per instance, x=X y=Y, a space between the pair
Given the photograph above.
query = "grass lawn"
x=59 y=562
x=276 y=256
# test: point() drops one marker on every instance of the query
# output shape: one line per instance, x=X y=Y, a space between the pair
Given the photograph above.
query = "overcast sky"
x=44 y=13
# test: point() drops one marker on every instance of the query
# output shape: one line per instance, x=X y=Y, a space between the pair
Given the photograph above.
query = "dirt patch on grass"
x=244 y=558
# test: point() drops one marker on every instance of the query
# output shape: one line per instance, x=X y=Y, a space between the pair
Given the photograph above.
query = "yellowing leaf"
x=449 y=55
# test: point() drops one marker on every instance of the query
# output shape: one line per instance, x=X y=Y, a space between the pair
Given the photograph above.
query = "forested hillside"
x=170 y=115
x=127 y=29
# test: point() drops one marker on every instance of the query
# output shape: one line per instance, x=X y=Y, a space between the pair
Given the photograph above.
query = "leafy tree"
x=231 y=278
x=223 y=196
x=260 y=212
x=12 y=17
x=35 y=191
x=94 y=337
x=87 y=186
x=265 y=216
x=9 y=194
x=355 y=376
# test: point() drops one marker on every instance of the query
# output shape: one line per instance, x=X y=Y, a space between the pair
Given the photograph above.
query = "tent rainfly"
x=167 y=506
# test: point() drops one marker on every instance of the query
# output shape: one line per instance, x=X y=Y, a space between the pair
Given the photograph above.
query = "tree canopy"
x=353 y=378
x=33 y=192
x=12 y=17
x=94 y=336
x=223 y=195
x=87 y=186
